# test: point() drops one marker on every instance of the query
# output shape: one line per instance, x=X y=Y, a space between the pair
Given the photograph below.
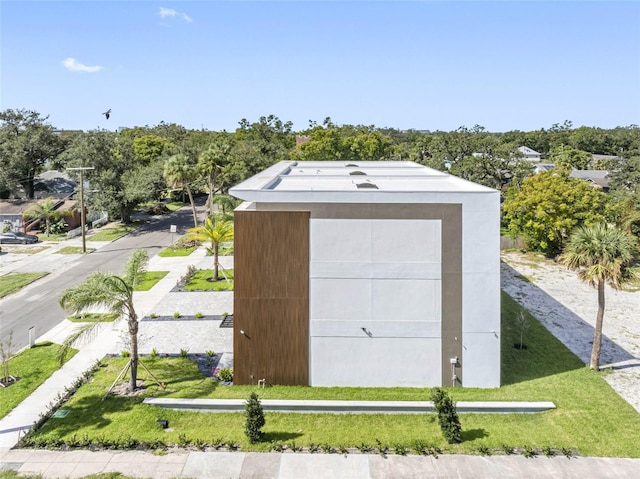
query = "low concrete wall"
x=347 y=407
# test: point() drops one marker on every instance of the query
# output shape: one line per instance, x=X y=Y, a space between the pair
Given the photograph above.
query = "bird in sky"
x=107 y=113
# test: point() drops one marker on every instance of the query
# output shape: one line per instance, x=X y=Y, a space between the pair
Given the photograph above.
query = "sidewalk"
x=240 y=465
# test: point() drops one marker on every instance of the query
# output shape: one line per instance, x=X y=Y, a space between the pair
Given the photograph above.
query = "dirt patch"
x=122 y=389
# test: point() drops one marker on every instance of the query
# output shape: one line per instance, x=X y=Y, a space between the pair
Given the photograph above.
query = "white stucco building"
x=371 y=274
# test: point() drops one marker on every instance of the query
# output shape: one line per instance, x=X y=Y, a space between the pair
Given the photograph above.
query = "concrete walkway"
x=240 y=465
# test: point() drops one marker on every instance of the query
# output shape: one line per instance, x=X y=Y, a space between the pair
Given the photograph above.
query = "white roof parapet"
x=352 y=182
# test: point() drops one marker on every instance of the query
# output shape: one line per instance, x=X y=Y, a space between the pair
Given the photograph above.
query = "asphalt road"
x=38 y=307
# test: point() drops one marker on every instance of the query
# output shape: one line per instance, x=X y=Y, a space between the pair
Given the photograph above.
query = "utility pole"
x=82 y=169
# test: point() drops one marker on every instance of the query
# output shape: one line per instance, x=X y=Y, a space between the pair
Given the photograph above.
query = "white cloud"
x=73 y=65
x=170 y=12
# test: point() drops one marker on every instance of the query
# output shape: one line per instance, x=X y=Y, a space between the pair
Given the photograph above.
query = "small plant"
x=153 y=315
x=199 y=444
x=277 y=446
x=232 y=446
x=184 y=352
x=522 y=324
x=125 y=354
x=210 y=353
x=327 y=449
x=401 y=450
x=508 y=450
x=365 y=448
x=254 y=419
x=447 y=416
x=313 y=448
x=567 y=452
x=343 y=450
x=484 y=450
x=153 y=354
x=383 y=449
x=6 y=351
x=293 y=447
x=199 y=315
x=224 y=315
x=528 y=452
x=182 y=440
x=548 y=451
x=225 y=375
x=176 y=315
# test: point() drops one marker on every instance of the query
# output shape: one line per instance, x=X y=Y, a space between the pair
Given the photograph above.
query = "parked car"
x=17 y=238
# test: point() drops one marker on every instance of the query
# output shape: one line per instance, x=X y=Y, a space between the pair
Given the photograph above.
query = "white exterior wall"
x=383 y=276
x=481 y=291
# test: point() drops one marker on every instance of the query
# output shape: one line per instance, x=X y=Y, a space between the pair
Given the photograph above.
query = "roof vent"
x=370 y=186
x=357 y=172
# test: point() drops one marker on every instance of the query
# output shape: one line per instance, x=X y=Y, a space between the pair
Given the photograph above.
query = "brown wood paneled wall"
x=271 y=298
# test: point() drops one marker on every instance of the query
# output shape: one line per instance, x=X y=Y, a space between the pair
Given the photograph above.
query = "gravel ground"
x=568 y=307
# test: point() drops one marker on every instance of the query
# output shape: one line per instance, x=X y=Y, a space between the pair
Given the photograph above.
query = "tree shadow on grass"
x=545 y=354
x=473 y=434
x=280 y=436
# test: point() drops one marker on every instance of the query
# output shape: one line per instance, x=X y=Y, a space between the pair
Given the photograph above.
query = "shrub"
x=176 y=315
x=225 y=374
x=199 y=315
x=210 y=353
x=447 y=416
x=153 y=315
x=255 y=419
x=184 y=352
x=153 y=354
x=124 y=354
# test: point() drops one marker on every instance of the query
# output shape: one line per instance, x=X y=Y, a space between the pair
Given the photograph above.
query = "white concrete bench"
x=348 y=407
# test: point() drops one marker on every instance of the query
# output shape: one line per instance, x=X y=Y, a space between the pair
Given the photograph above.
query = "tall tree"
x=213 y=162
x=115 y=293
x=601 y=255
x=547 y=206
x=565 y=156
x=180 y=173
x=216 y=231
x=27 y=143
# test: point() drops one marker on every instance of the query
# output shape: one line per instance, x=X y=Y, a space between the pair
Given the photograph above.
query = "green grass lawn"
x=33 y=366
x=73 y=250
x=113 y=232
x=200 y=281
x=93 y=317
x=150 y=279
x=12 y=282
x=171 y=251
x=590 y=417
x=25 y=249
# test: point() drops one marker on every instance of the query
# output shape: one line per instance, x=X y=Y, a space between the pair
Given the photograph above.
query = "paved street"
x=37 y=305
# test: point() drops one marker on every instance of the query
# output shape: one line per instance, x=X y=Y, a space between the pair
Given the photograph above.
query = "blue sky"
x=424 y=65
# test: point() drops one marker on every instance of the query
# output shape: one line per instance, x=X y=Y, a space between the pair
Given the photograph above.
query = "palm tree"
x=212 y=163
x=216 y=231
x=601 y=255
x=180 y=173
x=115 y=293
x=46 y=211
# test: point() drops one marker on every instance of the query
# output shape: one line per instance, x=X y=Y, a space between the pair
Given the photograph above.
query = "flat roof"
x=303 y=181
